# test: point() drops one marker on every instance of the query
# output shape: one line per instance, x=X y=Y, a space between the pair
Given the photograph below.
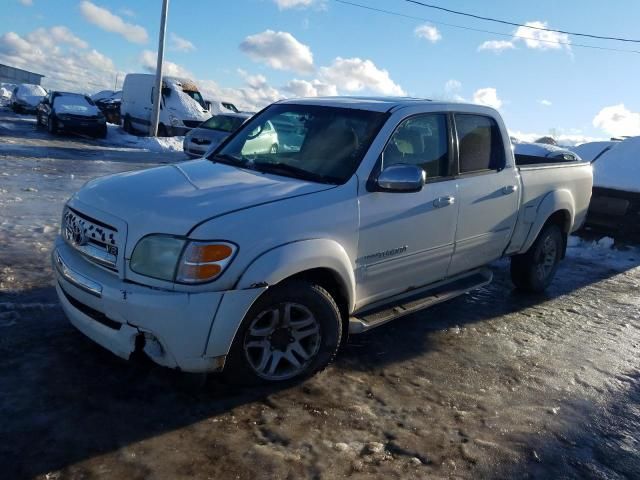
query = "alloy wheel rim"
x=282 y=341
x=547 y=258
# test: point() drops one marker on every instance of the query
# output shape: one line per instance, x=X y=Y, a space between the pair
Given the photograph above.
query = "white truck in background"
x=182 y=106
x=260 y=265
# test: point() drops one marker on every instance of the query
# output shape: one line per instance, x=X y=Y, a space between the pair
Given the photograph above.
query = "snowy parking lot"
x=493 y=384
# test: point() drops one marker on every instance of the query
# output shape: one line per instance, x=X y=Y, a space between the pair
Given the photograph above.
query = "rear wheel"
x=291 y=332
x=52 y=125
x=126 y=125
x=102 y=132
x=534 y=270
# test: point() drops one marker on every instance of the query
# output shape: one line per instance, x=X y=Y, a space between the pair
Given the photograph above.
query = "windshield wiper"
x=289 y=170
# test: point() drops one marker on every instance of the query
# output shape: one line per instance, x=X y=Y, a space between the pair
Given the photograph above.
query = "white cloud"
x=428 y=32
x=127 y=12
x=180 y=44
x=287 y=4
x=545 y=102
x=532 y=38
x=497 y=46
x=67 y=61
x=541 y=39
x=355 y=75
x=279 y=50
x=110 y=22
x=26 y=3
x=148 y=60
x=452 y=85
x=617 y=121
x=315 y=88
x=488 y=97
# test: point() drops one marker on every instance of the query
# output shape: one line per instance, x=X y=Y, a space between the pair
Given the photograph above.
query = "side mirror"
x=401 y=178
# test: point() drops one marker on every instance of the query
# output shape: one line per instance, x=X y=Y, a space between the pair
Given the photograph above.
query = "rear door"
x=487 y=193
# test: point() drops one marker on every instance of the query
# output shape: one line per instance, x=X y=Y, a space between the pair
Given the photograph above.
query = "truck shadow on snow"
x=65 y=400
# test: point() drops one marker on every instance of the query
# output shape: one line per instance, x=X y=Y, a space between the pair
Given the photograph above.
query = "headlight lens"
x=159 y=256
x=174 y=120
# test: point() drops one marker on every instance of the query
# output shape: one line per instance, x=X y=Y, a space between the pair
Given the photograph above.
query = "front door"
x=406 y=239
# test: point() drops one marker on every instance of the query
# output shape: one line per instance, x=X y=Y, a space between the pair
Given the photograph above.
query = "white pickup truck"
x=260 y=265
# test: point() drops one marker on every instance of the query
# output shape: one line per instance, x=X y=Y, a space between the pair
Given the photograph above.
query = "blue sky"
x=255 y=51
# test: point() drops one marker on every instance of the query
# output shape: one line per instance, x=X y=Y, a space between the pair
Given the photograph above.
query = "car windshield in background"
x=73 y=104
x=318 y=143
x=223 y=123
x=196 y=96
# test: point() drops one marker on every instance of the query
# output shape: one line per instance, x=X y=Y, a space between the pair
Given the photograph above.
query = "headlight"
x=178 y=260
x=174 y=120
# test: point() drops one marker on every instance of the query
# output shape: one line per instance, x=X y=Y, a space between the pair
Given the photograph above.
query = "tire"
x=126 y=125
x=534 y=270
x=274 y=148
x=265 y=350
x=102 y=133
x=52 y=125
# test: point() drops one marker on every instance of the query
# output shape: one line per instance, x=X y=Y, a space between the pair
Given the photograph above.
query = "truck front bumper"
x=188 y=331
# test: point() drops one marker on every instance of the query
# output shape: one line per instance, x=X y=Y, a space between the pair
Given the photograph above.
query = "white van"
x=181 y=109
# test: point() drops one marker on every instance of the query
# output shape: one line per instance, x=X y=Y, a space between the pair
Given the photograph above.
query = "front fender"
x=556 y=201
x=290 y=259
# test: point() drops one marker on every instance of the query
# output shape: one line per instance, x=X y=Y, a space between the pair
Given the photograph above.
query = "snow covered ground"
x=116 y=136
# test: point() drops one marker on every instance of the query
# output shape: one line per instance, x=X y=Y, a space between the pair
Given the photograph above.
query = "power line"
x=506 y=22
x=422 y=19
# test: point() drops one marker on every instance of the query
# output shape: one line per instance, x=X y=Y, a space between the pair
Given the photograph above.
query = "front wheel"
x=291 y=332
x=52 y=125
x=534 y=270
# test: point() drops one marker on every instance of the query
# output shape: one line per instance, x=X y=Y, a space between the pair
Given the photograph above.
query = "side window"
x=480 y=143
x=421 y=140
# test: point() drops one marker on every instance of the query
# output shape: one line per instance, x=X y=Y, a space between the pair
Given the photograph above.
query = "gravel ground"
x=493 y=384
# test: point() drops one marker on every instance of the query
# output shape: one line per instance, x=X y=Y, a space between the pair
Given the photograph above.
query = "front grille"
x=96 y=240
x=191 y=123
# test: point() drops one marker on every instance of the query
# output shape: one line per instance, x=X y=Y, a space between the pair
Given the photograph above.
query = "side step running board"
x=420 y=299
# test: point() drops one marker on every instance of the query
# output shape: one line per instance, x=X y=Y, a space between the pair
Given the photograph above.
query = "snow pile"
x=590 y=151
x=116 y=136
x=5 y=96
x=619 y=167
x=603 y=252
x=537 y=149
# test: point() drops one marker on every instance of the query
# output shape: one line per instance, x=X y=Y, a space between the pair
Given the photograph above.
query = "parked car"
x=615 y=206
x=542 y=153
x=110 y=106
x=216 y=107
x=260 y=264
x=26 y=97
x=71 y=112
x=182 y=106
x=210 y=133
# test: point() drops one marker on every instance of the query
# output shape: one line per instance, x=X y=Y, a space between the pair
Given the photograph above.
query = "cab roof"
x=376 y=104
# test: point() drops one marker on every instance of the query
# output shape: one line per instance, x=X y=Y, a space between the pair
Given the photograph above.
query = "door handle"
x=444 y=201
x=509 y=189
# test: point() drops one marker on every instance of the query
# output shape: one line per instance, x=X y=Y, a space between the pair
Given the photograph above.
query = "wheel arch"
x=556 y=208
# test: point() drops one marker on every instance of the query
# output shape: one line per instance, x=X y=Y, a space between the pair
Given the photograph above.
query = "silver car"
x=209 y=134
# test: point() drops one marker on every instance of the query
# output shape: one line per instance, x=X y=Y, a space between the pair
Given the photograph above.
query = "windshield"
x=223 y=123
x=324 y=144
x=196 y=96
x=73 y=104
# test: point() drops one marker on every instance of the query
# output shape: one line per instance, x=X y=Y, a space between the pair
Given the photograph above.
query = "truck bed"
x=568 y=183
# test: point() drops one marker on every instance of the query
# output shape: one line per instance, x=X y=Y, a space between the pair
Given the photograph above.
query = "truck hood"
x=172 y=199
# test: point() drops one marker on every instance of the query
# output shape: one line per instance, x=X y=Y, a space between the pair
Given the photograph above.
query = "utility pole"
x=157 y=93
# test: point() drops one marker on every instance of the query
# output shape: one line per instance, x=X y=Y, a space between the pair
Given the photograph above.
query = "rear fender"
x=556 y=201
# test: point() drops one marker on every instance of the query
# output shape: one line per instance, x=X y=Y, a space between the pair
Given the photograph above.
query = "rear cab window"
x=480 y=144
